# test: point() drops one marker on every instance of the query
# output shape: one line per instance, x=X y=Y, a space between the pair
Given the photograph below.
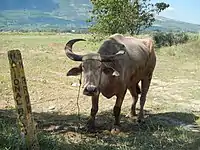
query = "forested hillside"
x=62 y=15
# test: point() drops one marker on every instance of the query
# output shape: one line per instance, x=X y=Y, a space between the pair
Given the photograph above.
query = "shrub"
x=169 y=38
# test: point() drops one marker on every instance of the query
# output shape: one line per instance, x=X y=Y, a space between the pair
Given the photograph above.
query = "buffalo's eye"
x=83 y=67
x=98 y=67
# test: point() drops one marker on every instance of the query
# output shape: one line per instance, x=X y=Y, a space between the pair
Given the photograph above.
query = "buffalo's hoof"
x=91 y=130
x=90 y=126
x=131 y=115
x=140 y=120
x=115 y=130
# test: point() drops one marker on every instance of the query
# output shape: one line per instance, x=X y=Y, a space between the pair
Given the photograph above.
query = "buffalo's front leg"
x=117 y=110
x=94 y=110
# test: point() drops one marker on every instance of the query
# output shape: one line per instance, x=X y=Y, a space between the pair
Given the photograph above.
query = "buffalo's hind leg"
x=94 y=110
x=144 y=90
x=134 y=90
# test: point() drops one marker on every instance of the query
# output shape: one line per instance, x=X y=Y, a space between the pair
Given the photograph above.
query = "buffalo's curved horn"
x=107 y=58
x=69 y=52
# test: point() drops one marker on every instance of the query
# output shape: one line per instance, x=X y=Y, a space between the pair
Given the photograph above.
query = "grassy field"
x=172 y=108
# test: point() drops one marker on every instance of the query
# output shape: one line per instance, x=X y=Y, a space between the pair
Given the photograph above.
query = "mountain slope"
x=174 y=25
x=41 y=14
x=63 y=15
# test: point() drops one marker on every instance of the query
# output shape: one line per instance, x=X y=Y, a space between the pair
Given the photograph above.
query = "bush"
x=169 y=38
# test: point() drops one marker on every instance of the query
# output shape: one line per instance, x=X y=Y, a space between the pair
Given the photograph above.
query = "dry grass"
x=173 y=104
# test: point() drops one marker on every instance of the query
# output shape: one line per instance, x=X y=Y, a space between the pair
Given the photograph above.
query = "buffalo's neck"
x=109 y=85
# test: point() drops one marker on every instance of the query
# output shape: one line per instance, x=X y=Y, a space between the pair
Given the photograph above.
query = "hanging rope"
x=78 y=96
x=78 y=107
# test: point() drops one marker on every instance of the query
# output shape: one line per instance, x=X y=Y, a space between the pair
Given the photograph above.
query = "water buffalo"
x=120 y=64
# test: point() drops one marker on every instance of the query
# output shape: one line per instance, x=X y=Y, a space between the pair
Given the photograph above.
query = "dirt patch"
x=56 y=45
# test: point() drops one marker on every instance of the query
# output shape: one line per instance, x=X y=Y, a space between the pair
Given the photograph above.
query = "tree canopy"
x=124 y=16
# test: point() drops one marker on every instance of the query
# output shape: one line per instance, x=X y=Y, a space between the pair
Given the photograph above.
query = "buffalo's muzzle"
x=90 y=90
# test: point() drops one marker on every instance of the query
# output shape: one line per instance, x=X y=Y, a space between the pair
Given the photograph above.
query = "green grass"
x=154 y=134
x=172 y=107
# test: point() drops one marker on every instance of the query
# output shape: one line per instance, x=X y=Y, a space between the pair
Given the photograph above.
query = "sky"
x=182 y=10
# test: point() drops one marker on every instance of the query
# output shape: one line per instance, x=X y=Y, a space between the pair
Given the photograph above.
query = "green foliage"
x=169 y=38
x=124 y=16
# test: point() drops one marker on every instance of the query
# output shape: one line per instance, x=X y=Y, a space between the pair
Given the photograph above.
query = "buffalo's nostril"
x=91 y=88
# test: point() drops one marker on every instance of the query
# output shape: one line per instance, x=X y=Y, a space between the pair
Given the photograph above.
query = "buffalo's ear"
x=74 y=71
x=109 y=70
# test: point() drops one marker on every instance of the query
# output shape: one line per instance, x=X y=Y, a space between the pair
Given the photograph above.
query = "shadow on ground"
x=170 y=130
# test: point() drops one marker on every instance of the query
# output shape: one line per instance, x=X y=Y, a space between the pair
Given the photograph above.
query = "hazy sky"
x=183 y=10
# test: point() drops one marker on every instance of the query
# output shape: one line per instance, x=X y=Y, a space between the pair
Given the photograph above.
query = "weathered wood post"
x=22 y=101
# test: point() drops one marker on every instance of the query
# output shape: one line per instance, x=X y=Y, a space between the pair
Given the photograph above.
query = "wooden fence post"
x=22 y=101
